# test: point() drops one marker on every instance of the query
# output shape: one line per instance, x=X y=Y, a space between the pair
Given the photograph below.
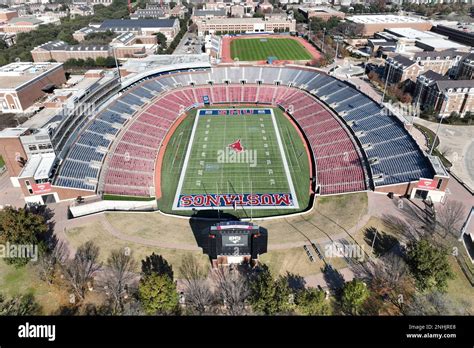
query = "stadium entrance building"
x=234 y=242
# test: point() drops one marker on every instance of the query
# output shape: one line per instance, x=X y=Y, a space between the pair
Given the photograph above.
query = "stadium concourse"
x=355 y=144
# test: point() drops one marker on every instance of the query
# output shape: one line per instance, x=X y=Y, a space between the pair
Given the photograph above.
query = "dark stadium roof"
x=137 y=23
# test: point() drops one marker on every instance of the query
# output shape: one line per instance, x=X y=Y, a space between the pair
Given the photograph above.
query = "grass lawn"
x=430 y=136
x=206 y=173
x=153 y=226
x=332 y=215
x=459 y=289
x=295 y=260
x=261 y=48
x=107 y=243
x=24 y=280
x=2 y=162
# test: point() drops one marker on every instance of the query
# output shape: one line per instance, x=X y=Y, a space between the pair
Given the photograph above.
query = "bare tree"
x=50 y=261
x=79 y=272
x=197 y=290
x=232 y=288
x=118 y=277
x=392 y=281
x=450 y=217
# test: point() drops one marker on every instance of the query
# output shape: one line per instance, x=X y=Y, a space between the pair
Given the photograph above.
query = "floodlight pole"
x=338 y=39
x=386 y=82
x=417 y=103
x=324 y=34
x=436 y=135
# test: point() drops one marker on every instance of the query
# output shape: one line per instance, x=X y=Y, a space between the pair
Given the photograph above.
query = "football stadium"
x=252 y=140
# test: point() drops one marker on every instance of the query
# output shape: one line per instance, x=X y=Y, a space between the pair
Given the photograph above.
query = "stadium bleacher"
x=139 y=119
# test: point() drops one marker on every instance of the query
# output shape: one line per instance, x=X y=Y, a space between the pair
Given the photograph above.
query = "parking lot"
x=190 y=44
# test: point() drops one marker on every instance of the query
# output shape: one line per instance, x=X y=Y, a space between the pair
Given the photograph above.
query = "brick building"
x=466 y=68
x=22 y=84
x=443 y=95
x=404 y=68
x=247 y=25
x=323 y=13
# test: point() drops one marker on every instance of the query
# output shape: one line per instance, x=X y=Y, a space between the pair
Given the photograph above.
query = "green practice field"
x=265 y=165
x=262 y=48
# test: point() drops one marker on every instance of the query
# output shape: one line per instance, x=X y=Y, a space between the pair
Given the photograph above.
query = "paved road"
x=459 y=143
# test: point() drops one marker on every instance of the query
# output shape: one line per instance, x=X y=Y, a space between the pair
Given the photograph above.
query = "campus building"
x=323 y=13
x=245 y=25
x=444 y=96
x=466 y=68
x=375 y=23
x=126 y=45
x=140 y=27
x=22 y=84
x=401 y=68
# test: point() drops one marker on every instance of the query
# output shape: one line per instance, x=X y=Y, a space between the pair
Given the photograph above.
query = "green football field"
x=261 y=48
x=195 y=174
x=258 y=166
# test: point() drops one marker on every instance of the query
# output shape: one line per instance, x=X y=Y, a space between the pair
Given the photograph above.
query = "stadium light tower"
x=324 y=37
x=386 y=82
x=338 y=39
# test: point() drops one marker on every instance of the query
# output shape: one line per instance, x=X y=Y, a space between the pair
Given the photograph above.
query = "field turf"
x=261 y=48
x=205 y=175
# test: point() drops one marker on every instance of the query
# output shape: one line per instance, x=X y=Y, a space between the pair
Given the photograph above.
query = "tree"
x=354 y=295
x=156 y=264
x=161 y=40
x=118 y=278
x=21 y=227
x=51 y=260
x=198 y=294
x=232 y=288
x=269 y=296
x=312 y=302
x=80 y=271
x=392 y=286
x=158 y=295
x=451 y=216
x=429 y=265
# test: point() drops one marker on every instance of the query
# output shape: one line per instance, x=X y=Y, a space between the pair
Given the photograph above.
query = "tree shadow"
x=295 y=281
x=333 y=278
x=383 y=242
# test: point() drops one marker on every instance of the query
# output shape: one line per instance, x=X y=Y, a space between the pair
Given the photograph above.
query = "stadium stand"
x=355 y=146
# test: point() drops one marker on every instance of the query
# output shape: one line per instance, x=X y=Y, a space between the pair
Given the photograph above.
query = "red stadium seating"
x=130 y=169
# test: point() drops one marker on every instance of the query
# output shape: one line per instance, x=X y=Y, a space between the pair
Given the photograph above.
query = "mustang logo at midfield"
x=236 y=146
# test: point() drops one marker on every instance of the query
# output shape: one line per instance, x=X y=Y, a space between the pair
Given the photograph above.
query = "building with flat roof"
x=374 y=23
x=140 y=27
x=462 y=33
x=125 y=45
x=7 y=13
x=245 y=25
x=26 y=24
x=24 y=83
x=321 y=12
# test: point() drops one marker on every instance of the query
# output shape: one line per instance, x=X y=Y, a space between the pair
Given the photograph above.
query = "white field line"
x=285 y=163
x=185 y=165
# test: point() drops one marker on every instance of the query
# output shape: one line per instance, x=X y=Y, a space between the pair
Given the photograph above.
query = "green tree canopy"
x=22 y=227
x=156 y=264
x=429 y=265
x=158 y=295
x=267 y=295
x=312 y=302
x=354 y=295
